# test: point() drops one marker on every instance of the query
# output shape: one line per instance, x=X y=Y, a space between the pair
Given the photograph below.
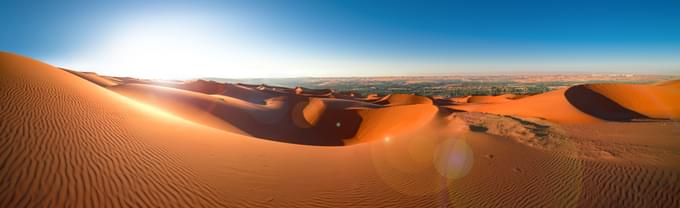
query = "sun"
x=169 y=45
x=167 y=48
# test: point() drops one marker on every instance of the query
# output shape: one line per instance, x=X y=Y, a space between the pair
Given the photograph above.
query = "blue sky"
x=186 y=39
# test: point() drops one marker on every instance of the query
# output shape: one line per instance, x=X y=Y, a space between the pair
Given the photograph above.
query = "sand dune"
x=289 y=118
x=403 y=99
x=552 y=106
x=95 y=78
x=193 y=106
x=671 y=83
x=239 y=91
x=67 y=142
x=313 y=92
x=71 y=139
x=381 y=124
x=203 y=86
x=660 y=102
x=463 y=99
x=491 y=99
x=587 y=103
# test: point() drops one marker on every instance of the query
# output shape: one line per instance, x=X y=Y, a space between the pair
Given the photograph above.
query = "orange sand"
x=73 y=139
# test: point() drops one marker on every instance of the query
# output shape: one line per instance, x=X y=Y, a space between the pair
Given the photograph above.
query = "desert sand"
x=75 y=139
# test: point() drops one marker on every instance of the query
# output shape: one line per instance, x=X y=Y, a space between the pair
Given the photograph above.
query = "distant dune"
x=402 y=99
x=672 y=83
x=491 y=99
x=76 y=139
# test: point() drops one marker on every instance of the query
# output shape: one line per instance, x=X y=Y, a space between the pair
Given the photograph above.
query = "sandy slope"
x=552 y=106
x=661 y=102
x=97 y=79
x=588 y=103
x=68 y=142
x=671 y=83
x=491 y=99
x=403 y=99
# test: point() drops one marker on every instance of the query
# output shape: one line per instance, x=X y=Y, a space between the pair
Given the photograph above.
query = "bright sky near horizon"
x=249 y=39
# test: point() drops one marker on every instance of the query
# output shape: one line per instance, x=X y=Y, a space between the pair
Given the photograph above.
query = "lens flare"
x=453 y=159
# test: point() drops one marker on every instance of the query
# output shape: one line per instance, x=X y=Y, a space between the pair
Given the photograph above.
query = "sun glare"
x=169 y=46
x=165 y=48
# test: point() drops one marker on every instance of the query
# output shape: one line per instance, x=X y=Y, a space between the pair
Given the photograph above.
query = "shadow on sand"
x=599 y=106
